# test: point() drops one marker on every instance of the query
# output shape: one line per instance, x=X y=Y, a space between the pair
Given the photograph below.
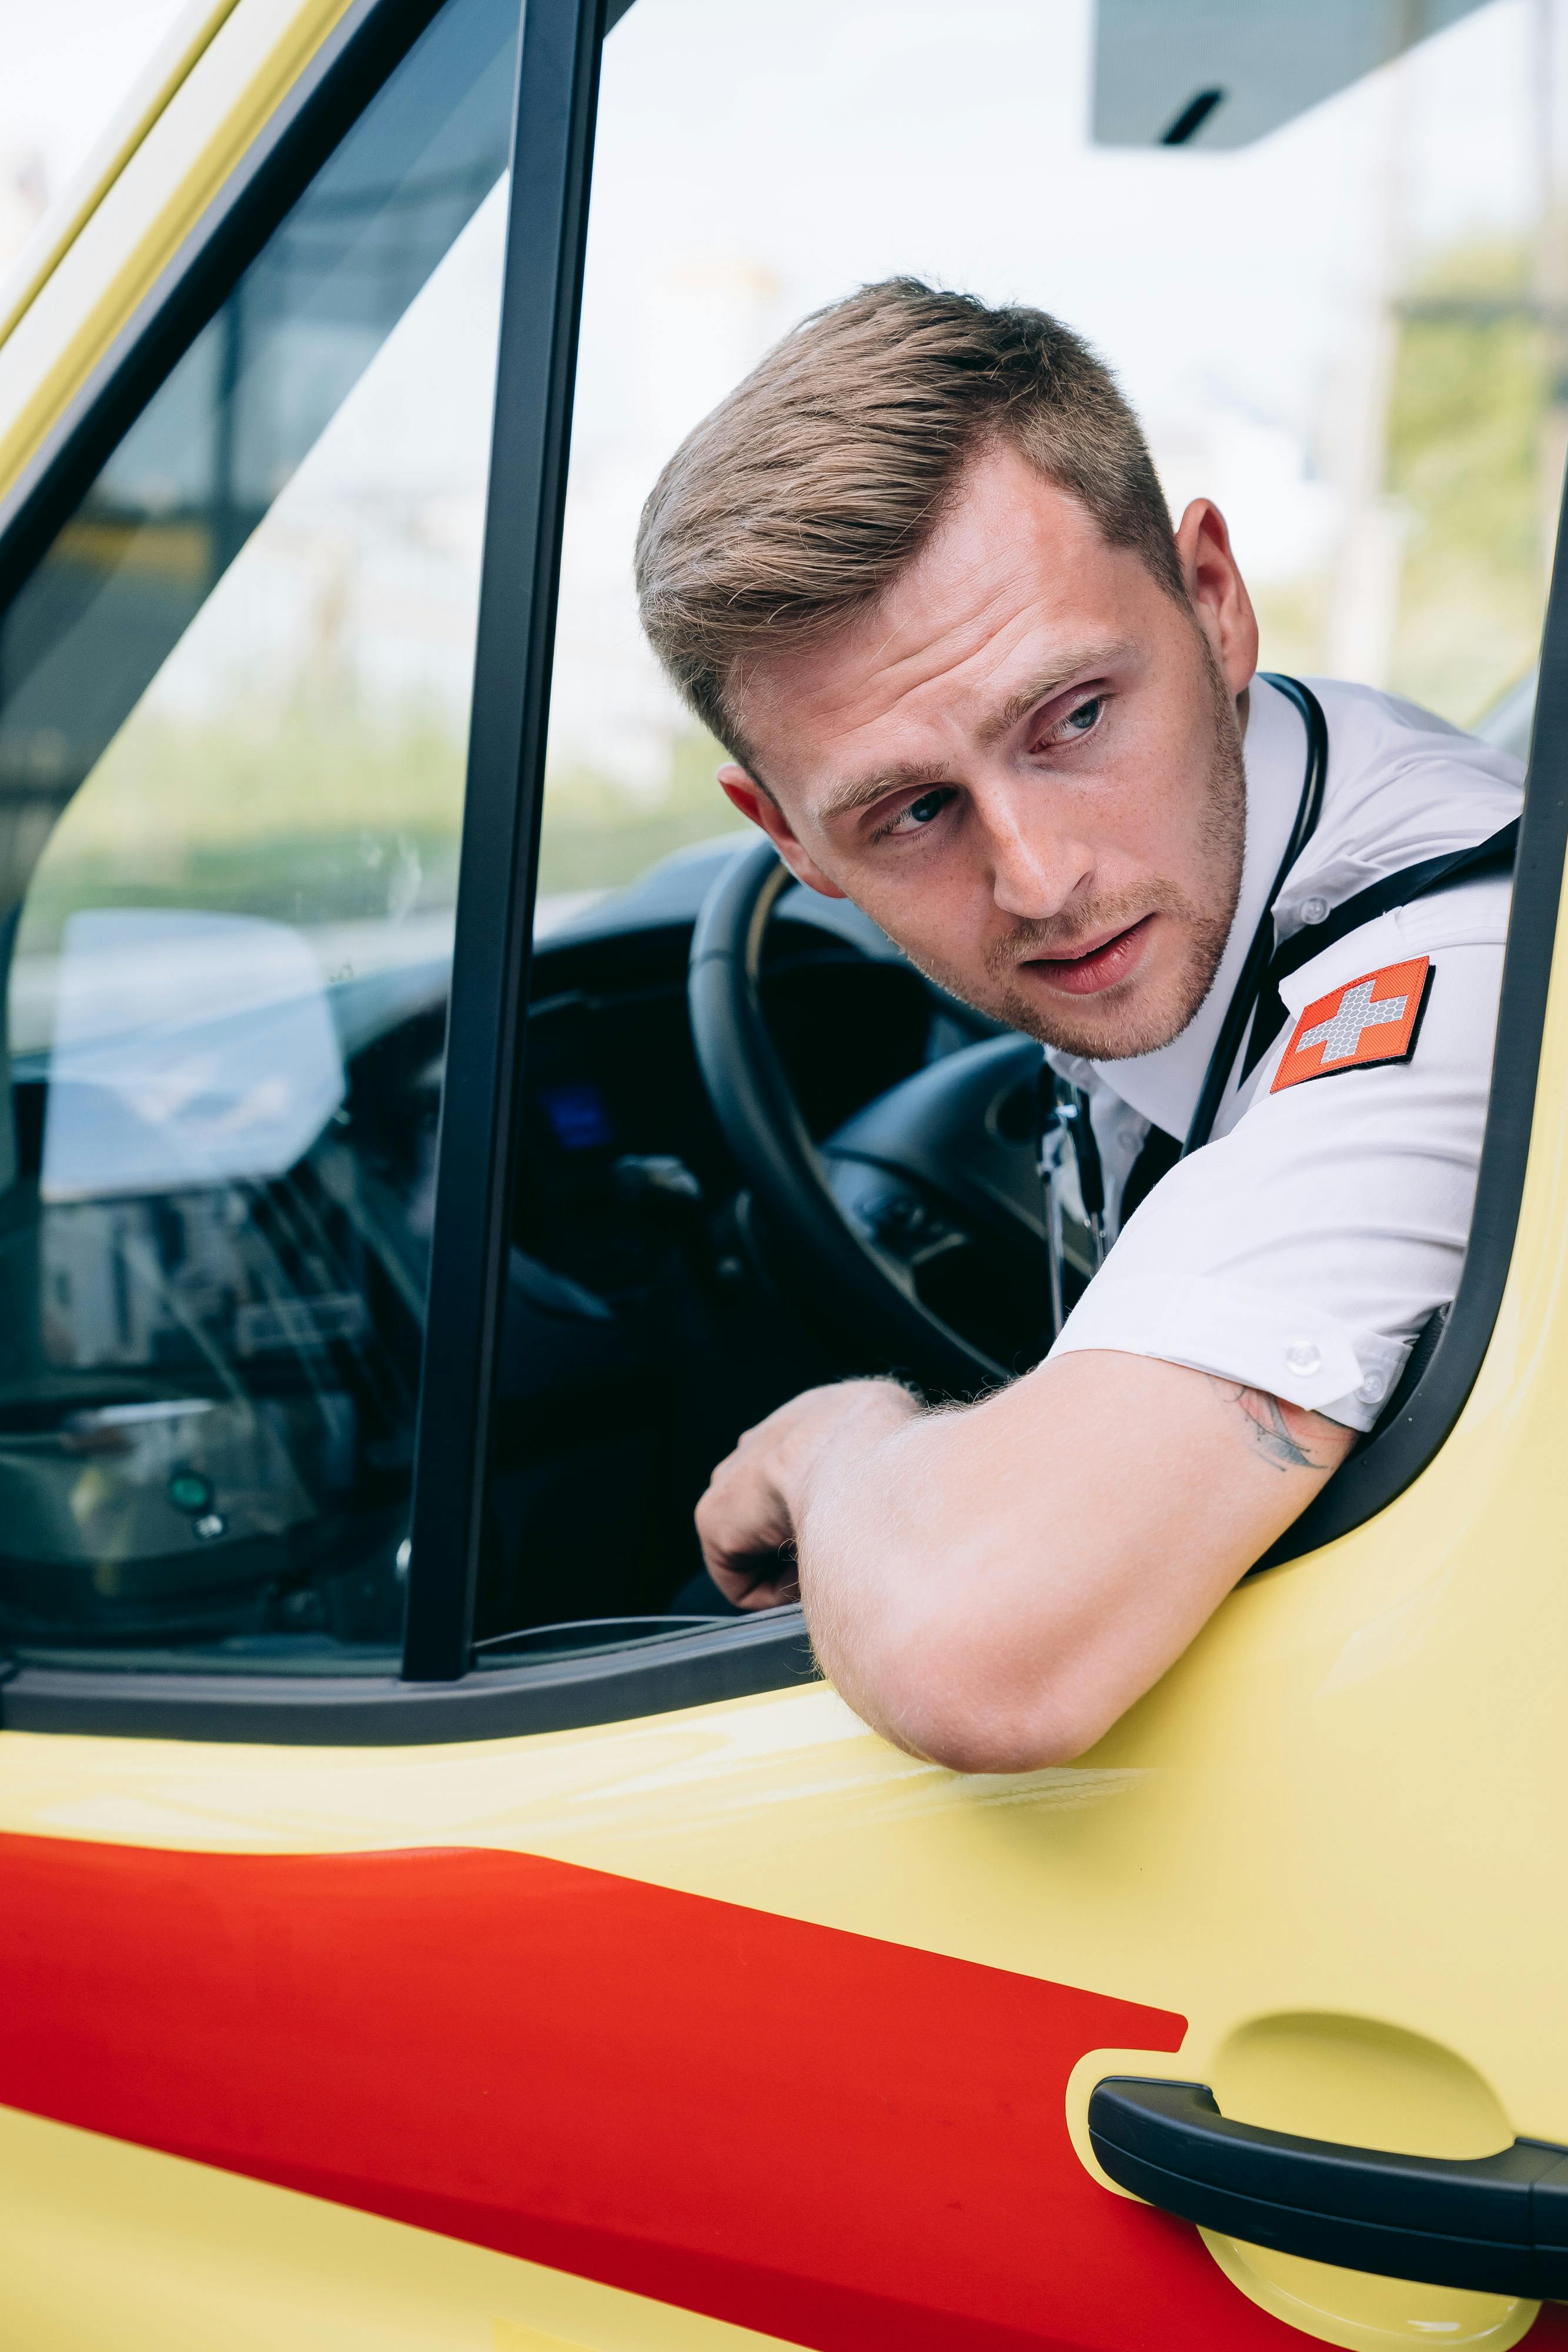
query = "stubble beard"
x=1143 y=1028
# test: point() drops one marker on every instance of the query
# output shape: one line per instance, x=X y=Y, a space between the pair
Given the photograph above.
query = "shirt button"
x=1315 y=910
x=1302 y=1357
x=1372 y=1388
x=1129 y=1138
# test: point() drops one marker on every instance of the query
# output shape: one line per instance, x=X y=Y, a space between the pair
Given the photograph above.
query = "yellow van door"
x=737 y=2012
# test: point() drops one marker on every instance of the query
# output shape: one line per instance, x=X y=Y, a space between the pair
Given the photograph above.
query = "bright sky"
x=755 y=160
x=67 y=67
x=946 y=133
x=830 y=141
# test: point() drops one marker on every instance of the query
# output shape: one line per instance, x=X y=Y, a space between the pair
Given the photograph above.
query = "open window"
x=1325 y=315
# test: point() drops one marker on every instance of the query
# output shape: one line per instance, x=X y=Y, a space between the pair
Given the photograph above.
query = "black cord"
x=1045 y=1121
x=1244 y=996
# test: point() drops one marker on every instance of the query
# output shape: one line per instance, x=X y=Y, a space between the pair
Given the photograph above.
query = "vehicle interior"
x=752 y=1149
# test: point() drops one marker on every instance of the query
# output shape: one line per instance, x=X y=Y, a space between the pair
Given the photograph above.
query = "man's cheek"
x=958 y=956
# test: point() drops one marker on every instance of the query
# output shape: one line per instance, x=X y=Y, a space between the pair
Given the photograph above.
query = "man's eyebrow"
x=1083 y=660
x=844 y=799
x=865 y=791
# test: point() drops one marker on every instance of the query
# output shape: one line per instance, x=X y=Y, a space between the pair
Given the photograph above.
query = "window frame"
x=546 y=236
x=439 y=1695
x=436 y=1697
x=737 y=1660
x=332 y=91
x=1377 y=1472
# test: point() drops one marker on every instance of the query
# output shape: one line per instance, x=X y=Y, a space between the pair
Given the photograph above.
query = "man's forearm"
x=897 y=1519
x=993 y=1586
x=847 y=1496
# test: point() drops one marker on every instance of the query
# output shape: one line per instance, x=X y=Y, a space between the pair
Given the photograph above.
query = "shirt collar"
x=1163 y=1086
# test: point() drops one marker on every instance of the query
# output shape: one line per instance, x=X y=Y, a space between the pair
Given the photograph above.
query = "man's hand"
x=747 y=1520
x=991 y=1587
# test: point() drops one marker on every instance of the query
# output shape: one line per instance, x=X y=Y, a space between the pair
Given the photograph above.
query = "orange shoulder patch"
x=1373 y=1019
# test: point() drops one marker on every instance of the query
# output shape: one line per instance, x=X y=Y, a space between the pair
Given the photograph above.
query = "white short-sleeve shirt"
x=1303 y=1250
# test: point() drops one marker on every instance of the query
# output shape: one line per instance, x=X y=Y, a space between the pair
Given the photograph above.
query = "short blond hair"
x=827 y=468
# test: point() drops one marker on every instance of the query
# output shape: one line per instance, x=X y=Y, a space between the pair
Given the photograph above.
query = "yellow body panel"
x=179 y=2258
x=204 y=110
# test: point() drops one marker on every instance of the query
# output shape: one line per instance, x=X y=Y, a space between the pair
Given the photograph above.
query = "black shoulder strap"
x=1494 y=855
x=1154 y=1163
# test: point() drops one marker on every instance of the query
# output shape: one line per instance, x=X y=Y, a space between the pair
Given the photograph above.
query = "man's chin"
x=1109 y=1039
x=1115 y=1026
x=1139 y=1015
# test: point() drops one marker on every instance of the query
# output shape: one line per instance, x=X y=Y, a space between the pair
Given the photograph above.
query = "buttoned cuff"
x=1252 y=1336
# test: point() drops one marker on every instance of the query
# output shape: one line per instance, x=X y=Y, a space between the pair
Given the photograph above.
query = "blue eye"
x=930 y=804
x=1081 y=719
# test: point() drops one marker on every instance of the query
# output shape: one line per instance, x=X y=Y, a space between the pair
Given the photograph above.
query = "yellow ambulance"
x=429 y=1918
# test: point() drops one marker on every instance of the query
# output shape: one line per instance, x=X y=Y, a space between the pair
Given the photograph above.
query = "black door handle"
x=1498 y=2223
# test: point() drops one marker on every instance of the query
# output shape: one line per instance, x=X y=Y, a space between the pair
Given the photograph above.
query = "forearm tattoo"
x=1263 y=1417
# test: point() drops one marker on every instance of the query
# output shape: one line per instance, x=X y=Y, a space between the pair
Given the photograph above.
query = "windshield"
x=234 y=703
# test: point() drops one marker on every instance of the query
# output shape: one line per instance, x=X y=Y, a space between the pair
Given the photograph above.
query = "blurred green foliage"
x=599 y=832
x=323 y=813
x=1467 y=417
x=313 y=813
x=1467 y=461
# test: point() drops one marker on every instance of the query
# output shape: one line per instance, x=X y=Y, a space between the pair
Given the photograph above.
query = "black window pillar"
x=551 y=156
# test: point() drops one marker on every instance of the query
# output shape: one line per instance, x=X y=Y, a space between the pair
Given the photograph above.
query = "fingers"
x=765 y=1583
x=743 y=1526
x=746 y=1520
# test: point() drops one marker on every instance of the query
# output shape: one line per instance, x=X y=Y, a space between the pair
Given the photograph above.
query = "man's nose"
x=1035 y=870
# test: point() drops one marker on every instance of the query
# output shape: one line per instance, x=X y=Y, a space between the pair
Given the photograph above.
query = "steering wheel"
x=879 y=1216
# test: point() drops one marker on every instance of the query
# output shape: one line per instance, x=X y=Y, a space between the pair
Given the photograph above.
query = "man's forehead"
x=1017 y=588
x=844 y=739
x=978 y=719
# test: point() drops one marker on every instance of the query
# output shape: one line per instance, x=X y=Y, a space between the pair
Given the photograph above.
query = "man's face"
x=1024 y=763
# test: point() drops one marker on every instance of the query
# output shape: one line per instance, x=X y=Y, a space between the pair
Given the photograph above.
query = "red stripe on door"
x=851 y=2145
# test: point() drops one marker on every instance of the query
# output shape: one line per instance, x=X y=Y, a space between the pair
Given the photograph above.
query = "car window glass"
x=232 y=747
x=1344 y=330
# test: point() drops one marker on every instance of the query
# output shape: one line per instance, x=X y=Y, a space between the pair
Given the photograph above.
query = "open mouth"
x=1097 y=967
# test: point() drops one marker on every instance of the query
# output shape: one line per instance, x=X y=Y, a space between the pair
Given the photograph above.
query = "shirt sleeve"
x=1302 y=1251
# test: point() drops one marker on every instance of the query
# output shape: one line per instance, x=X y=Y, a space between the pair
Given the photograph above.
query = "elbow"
x=998 y=1739
x=973 y=1705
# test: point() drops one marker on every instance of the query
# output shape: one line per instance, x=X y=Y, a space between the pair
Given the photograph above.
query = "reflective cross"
x=1340 y=1036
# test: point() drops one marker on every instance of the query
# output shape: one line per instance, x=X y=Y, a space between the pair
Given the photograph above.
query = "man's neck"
x=1163 y=1086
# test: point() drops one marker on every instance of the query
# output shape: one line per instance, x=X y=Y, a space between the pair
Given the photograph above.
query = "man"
x=916 y=573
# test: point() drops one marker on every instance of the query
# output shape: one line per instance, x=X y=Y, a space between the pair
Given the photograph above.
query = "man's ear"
x=1219 y=592
x=763 y=810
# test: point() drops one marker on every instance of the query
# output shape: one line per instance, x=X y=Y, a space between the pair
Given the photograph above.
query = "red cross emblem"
x=1373 y=1019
